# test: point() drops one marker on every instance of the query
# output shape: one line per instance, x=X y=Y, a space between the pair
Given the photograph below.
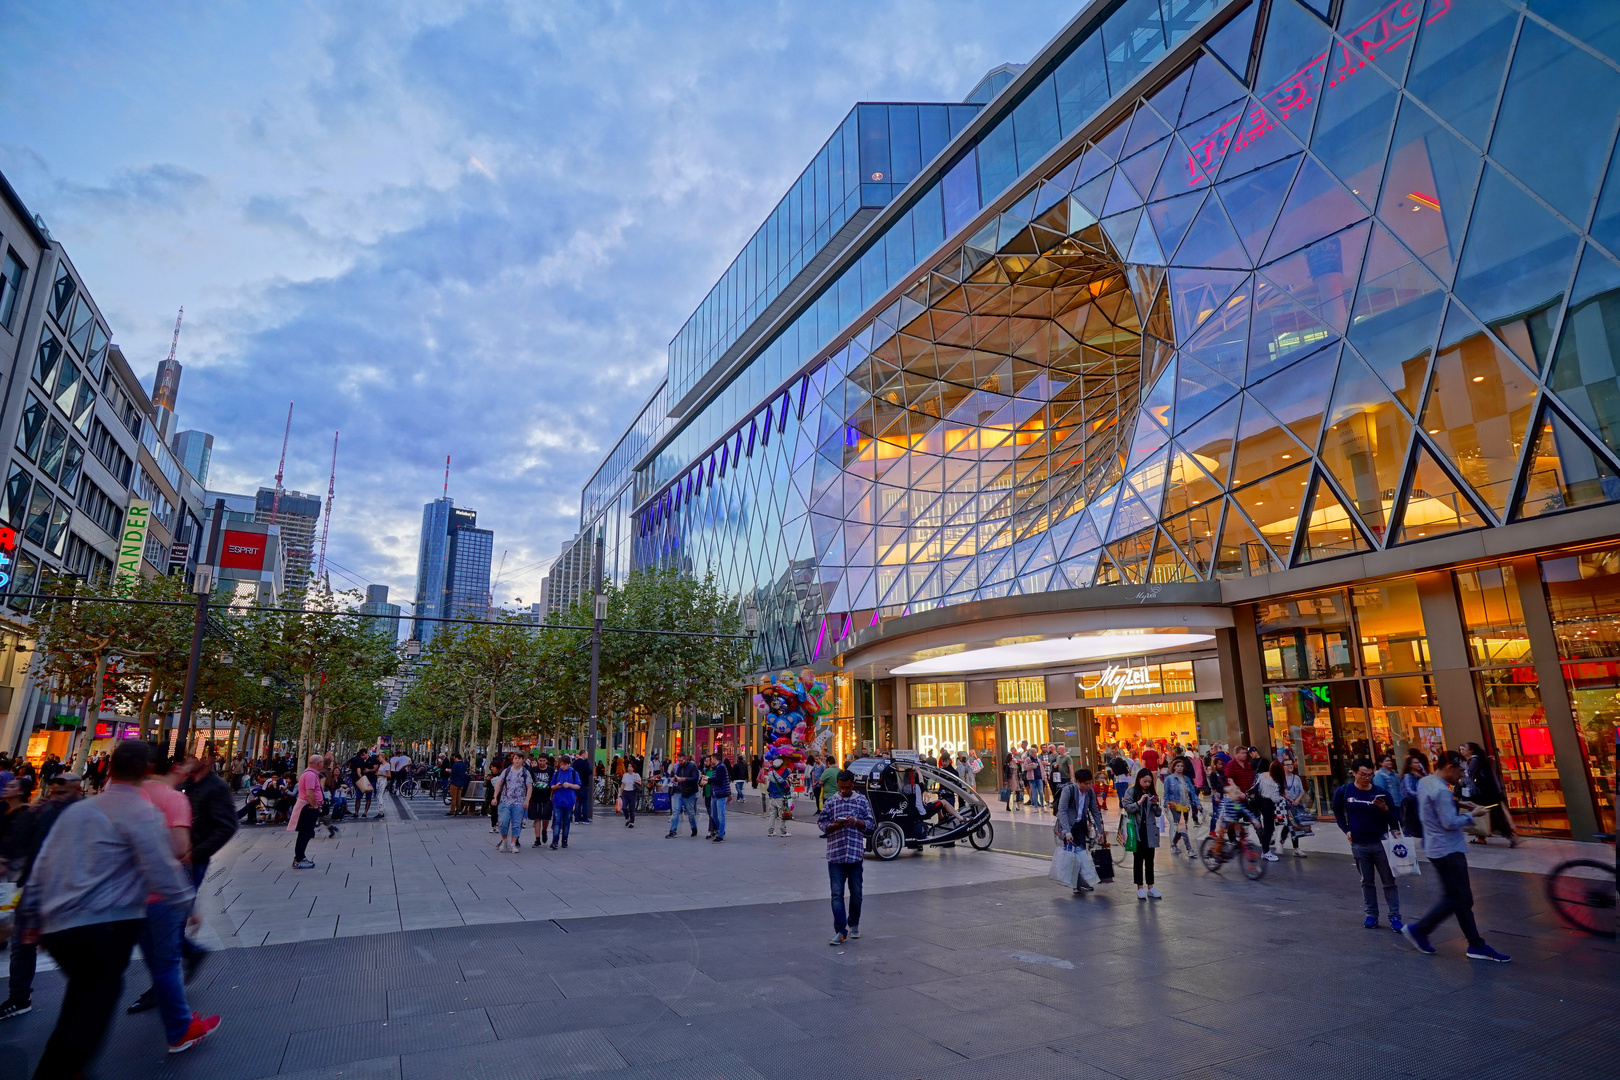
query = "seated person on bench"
x=925 y=807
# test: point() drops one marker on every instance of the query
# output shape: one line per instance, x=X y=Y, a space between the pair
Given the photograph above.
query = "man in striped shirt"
x=845 y=821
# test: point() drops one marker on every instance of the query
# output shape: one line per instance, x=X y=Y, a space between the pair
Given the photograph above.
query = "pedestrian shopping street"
x=633 y=956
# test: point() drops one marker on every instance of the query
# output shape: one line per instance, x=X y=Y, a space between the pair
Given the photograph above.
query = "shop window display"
x=940 y=733
x=1492 y=615
x=1306 y=637
x=1389 y=628
x=1583 y=595
x=938 y=695
x=1132 y=728
x=1510 y=701
x=1020 y=691
x=1026 y=726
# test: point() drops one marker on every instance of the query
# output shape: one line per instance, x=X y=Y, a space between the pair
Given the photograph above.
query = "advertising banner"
x=132 y=542
x=242 y=550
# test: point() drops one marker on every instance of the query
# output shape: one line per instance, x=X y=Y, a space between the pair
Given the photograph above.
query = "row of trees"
x=307 y=658
x=476 y=685
x=487 y=684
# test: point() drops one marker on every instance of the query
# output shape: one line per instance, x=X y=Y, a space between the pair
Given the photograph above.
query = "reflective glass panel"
x=1493 y=617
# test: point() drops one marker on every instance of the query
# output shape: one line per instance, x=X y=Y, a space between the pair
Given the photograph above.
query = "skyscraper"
x=452 y=575
x=377 y=604
x=297 y=514
x=195 y=449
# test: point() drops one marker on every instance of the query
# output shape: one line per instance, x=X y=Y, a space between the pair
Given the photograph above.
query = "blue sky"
x=443 y=228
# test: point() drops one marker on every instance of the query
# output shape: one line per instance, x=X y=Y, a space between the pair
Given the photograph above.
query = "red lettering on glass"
x=1390 y=29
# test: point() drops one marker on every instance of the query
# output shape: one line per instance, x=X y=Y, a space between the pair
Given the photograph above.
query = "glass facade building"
x=452 y=568
x=1291 y=324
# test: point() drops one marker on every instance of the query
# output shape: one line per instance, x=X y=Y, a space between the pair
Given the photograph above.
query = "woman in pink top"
x=306 y=812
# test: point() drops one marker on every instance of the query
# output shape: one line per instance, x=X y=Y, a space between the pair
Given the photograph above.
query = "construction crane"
x=447 y=476
x=326 y=522
x=281 y=470
x=174 y=342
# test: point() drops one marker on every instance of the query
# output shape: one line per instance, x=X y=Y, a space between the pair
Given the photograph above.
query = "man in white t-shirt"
x=402 y=766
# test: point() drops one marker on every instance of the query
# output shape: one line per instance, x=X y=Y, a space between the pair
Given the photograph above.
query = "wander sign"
x=133 y=541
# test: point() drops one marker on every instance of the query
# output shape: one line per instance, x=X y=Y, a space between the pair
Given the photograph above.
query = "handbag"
x=1130 y=839
x=1402 y=855
x=364 y=785
x=1065 y=865
x=1103 y=859
x=1088 y=867
x=1480 y=825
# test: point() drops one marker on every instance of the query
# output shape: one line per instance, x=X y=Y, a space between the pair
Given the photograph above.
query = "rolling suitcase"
x=1103 y=857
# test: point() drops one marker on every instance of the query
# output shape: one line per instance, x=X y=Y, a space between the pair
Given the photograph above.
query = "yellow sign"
x=132 y=543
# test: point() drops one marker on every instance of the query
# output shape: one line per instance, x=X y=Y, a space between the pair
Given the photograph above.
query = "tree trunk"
x=230 y=749
x=326 y=722
x=92 y=715
x=306 y=729
x=461 y=738
x=494 y=729
x=144 y=713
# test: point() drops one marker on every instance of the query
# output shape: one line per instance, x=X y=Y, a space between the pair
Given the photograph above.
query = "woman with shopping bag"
x=1080 y=822
x=1139 y=822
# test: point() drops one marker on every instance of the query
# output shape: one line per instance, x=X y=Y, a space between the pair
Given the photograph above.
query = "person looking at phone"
x=1366 y=814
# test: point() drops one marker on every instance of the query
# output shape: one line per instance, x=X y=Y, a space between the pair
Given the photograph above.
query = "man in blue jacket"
x=1366 y=814
x=1446 y=845
x=564 y=793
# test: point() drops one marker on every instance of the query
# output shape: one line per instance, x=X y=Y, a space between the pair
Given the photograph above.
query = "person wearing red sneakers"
x=86 y=895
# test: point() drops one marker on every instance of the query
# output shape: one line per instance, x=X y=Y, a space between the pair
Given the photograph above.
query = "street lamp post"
x=202 y=586
x=598 y=615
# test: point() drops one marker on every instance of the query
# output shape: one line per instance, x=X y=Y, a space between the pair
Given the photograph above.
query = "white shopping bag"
x=1088 y=867
x=1402 y=853
x=1065 y=865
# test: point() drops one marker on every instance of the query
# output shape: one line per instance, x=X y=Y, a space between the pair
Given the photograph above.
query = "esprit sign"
x=8 y=546
x=1117 y=678
x=242 y=550
x=132 y=541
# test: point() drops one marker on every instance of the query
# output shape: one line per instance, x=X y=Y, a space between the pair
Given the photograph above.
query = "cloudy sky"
x=443 y=228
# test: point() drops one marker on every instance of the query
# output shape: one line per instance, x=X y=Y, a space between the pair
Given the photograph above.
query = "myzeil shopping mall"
x=1232 y=372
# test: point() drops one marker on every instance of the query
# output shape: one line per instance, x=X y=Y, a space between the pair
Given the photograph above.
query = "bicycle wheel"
x=1584 y=901
x=407 y=789
x=1252 y=860
x=1206 y=852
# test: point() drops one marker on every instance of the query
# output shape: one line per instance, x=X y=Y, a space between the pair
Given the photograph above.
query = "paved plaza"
x=632 y=956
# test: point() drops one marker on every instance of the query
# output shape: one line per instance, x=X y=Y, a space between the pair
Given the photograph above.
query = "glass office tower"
x=1240 y=371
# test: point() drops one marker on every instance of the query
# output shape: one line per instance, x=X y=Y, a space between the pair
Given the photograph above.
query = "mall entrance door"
x=982 y=741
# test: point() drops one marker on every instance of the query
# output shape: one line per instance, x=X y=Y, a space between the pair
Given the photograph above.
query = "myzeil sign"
x=1118 y=678
x=132 y=542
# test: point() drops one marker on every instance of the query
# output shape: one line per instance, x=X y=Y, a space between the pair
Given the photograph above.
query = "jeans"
x=1370 y=857
x=160 y=939
x=582 y=808
x=561 y=818
x=775 y=811
x=24 y=961
x=717 y=815
x=739 y=788
x=308 y=818
x=512 y=820
x=684 y=804
x=93 y=958
x=627 y=803
x=839 y=874
x=1120 y=784
x=1456 y=898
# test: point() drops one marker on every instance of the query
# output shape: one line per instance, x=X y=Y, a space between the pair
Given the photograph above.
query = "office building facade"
x=298 y=515
x=453 y=564
x=1240 y=372
x=387 y=622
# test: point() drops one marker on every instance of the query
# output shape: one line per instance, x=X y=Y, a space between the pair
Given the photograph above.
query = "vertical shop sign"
x=132 y=544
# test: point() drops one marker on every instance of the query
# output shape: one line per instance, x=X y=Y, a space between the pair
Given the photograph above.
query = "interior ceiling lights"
x=1051 y=651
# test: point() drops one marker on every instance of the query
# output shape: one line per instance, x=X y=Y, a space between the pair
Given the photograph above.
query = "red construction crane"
x=281 y=470
x=326 y=522
x=174 y=343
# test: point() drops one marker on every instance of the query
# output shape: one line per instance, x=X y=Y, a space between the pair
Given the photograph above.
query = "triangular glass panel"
x=1586 y=371
x=1517 y=257
x=1330 y=531
x=1241 y=553
x=1181 y=173
x=1084 y=539
x=1171 y=217
x=1198 y=390
x=1323 y=276
x=1263 y=445
x=1298 y=396
x=1435 y=504
x=1091 y=195
x=1142 y=167
x=1169 y=565
x=1282 y=331
x=1145 y=247
x=1148 y=481
x=1102 y=509
x=1134 y=555
x=1208 y=140
x=1364 y=446
x=1189 y=486
x=1081 y=569
x=1194 y=533
x=1211 y=87
x=1396 y=314
x=1195 y=295
x=1121 y=228
x=1160 y=401
x=1107 y=572
x=1234 y=42
x=1211 y=242
x=1479 y=408
x=1121 y=196
x=1352 y=128
x=1258 y=138
x=1318 y=206
x=1564 y=471
x=1148 y=439
x=1132 y=515
x=1366 y=28
x=1210 y=439
x=1427 y=188
x=1146 y=129
x=1222 y=342
x=1166 y=100
x=1253 y=199
x=1293 y=62
x=1273 y=505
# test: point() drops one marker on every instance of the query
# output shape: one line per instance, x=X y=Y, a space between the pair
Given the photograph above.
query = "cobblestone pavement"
x=1008 y=976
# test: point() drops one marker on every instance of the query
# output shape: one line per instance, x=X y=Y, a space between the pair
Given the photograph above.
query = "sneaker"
x=855 y=932
x=536 y=842
x=770 y=832
x=1141 y=894
x=1419 y=941
x=719 y=839
x=304 y=864
x=199 y=1030
x=1083 y=887
x=1395 y=923
x=694 y=832
x=837 y=939
x=565 y=845
x=1155 y=894
x=1270 y=856
x=1298 y=854
x=145 y=1003
x=554 y=845
x=15 y=1008
x=1370 y=922
x=669 y=836
x=1485 y=952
